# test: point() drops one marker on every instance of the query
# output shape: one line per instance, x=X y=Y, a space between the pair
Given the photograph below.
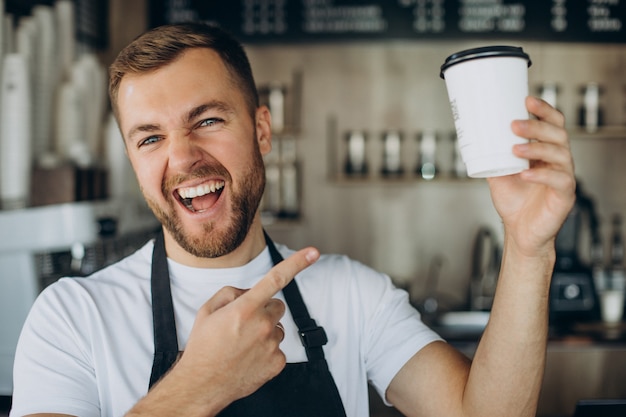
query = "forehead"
x=198 y=75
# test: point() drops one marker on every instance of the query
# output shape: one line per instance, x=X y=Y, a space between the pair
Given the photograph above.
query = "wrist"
x=519 y=260
x=179 y=393
x=530 y=251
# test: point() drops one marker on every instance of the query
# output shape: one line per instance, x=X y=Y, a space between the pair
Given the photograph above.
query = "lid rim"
x=483 y=52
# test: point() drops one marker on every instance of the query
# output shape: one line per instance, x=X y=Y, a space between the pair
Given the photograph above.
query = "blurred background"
x=364 y=161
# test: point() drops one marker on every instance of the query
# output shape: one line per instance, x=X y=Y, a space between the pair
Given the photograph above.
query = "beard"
x=215 y=242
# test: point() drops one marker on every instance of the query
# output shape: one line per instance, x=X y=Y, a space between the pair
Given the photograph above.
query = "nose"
x=183 y=151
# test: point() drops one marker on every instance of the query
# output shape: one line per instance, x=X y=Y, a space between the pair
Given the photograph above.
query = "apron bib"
x=305 y=389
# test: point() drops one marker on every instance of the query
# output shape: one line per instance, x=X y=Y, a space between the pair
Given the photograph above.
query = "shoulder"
x=340 y=280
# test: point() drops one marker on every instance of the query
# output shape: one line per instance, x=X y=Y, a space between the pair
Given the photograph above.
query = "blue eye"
x=211 y=122
x=149 y=140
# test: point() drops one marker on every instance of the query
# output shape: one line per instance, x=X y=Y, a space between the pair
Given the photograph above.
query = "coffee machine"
x=573 y=296
x=41 y=244
x=25 y=233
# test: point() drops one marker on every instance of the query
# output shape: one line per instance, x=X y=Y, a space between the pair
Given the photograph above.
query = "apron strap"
x=165 y=341
x=312 y=336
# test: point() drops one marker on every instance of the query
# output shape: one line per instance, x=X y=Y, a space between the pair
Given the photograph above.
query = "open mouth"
x=201 y=197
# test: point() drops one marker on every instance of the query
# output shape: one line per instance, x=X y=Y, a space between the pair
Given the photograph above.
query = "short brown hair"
x=162 y=45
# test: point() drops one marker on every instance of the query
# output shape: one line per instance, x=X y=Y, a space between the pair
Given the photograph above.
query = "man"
x=186 y=104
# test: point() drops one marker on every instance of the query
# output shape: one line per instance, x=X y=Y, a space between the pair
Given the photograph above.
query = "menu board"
x=92 y=22
x=292 y=21
x=91 y=18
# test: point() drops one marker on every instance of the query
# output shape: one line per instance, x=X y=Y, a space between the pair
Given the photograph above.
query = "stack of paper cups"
x=46 y=78
x=70 y=122
x=66 y=30
x=15 y=132
x=89 y=78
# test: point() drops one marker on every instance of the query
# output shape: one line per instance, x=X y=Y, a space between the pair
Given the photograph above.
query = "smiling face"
x=196 y=151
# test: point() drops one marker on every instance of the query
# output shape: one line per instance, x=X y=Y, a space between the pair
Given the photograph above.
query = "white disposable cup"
x=487 y=88
x=612 y=305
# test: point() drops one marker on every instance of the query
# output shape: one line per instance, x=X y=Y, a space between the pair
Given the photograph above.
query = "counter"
x=584 y=361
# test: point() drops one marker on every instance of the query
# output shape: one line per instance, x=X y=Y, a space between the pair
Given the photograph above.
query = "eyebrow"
x=218 y=105
x=191 y=115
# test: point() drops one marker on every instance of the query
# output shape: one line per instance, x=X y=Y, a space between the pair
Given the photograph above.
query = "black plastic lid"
x=483 y=52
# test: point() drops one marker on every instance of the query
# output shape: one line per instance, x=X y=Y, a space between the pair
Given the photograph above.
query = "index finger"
x=280 y=275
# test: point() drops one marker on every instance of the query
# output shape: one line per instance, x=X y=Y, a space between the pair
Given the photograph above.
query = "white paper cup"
x=487 y=88
x=612 y=306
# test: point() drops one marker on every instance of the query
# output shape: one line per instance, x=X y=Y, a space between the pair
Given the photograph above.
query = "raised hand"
x=534 y=203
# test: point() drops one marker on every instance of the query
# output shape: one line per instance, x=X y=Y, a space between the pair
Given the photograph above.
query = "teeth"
x=200 y=190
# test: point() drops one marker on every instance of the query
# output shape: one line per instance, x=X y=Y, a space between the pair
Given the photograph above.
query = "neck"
x=250 y=248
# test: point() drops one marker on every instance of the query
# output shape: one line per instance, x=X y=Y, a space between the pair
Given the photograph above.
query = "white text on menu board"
x=491 y=16
x=600 y=18
x=264 y=17
x=429 y=15
x=322 y=16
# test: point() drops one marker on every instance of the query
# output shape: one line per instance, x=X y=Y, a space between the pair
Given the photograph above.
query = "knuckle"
x=281 y=307
x=277 y=305
x=275 y=279
x=226 y=292
x=278 y=362
x=266 y=329
x=222 y=297
x=205 y=309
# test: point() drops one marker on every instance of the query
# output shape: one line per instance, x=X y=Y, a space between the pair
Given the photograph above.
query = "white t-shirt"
x=86 y=348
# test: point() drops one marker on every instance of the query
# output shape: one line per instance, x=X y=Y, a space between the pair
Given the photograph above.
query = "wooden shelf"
x=604 y=132
x=404 y=181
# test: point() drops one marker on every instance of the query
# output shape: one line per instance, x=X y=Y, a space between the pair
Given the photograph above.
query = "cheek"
x=148 y=174
x=235 y=157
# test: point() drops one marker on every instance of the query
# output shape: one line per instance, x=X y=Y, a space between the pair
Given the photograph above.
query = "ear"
x=263 y=122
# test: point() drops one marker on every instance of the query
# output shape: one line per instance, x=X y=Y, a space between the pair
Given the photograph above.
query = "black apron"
x=302 y=389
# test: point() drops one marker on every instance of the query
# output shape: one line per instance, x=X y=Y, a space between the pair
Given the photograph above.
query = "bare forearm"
x=172 y=396
x=507 y=370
